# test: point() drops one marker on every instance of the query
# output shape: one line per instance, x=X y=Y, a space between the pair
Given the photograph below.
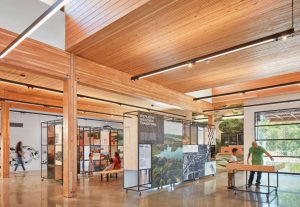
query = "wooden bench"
x=108 y=173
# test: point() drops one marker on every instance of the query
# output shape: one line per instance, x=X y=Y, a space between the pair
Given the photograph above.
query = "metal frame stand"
x=270 y=188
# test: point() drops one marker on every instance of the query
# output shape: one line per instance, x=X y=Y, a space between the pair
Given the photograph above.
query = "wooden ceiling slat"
x=152 y=37
x=92 y=15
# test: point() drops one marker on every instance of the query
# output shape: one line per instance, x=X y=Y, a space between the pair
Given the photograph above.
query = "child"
x=91 y=164
x=111 y=165
x=232 y=159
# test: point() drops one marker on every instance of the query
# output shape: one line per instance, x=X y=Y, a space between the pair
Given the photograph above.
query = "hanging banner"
x=151 y=128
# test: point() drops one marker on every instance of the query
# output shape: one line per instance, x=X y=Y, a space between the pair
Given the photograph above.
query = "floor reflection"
x=27 y=189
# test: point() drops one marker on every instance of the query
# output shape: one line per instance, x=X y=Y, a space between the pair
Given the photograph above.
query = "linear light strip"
x=59 y=107
x=249 y=90
x=236 y=50
x=278 y=36
x=251 y=105
x=233 y=117
x=87 y=97
x=35 y=25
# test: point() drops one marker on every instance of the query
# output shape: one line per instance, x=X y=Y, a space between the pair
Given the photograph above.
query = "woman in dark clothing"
x=20 y=155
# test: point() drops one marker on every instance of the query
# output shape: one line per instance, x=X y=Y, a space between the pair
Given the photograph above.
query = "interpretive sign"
x=151 y=128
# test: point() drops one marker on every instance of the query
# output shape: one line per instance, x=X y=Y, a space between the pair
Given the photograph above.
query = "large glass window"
x=279 y=132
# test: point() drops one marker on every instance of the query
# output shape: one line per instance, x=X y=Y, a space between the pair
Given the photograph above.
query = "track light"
x=206 y=58
x=35 y=25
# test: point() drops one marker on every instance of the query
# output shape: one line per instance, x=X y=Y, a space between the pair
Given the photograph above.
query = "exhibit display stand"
x=88 y=142
x=52 y=150
x=154 y=154
x=102 y=143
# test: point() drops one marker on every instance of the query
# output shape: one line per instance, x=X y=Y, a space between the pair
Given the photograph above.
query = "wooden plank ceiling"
x=87 y=17
x=239 y=98
x=161 y=33
x=35 y=57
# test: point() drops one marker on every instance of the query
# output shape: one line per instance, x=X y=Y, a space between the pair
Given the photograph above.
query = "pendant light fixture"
x=34 y=26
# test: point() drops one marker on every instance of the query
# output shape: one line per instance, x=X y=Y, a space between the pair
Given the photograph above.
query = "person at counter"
x=257 y=153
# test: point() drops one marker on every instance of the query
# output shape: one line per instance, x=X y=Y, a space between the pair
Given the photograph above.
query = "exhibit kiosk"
x=103 y=142
x=160 y=150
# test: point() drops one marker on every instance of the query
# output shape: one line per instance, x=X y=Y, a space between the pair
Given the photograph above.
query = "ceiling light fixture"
x=205 y=58
x=35 y=25
x=242 y=92
x=233 y=117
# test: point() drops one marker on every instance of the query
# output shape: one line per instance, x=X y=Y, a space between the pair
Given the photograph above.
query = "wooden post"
x=211 y=120
x=5 y=141
x=70 y=133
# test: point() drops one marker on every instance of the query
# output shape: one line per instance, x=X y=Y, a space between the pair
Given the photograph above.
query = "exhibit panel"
x=131 y=143
x=197 y=162
x=130 y=152
x=52 y=145
x=88 y=142
x=167 y=158
x=162 y=157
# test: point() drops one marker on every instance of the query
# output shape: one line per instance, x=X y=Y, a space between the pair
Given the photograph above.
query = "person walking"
x=20 y=156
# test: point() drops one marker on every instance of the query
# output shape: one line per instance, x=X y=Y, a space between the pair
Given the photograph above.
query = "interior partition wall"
x=279 y=132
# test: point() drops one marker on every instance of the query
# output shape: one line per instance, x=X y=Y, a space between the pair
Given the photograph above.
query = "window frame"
x=256 y=126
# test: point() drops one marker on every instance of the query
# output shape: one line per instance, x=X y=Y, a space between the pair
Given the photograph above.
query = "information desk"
x=273 y=168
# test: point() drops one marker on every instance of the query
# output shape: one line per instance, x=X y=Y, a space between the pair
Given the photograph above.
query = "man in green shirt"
x=257 y=153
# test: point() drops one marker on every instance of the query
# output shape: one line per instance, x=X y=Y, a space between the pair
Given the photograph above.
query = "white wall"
x=249 y=113
x=30 y=133
x=17 y=15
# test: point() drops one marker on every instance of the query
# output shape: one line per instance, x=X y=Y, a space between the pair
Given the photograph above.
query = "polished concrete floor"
x=27 y=189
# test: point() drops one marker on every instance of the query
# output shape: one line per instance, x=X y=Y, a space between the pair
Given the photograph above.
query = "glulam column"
x=70 y=132
x=211 y=120
x=4 y=140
